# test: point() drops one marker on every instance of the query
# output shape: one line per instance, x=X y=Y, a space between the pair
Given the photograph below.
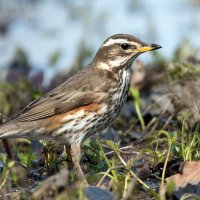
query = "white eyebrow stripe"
x=119 y=41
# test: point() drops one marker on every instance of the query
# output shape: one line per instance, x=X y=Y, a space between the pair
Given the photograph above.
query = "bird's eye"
x=125 y=46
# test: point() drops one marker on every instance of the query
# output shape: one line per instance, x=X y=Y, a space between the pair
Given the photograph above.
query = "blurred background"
x=44 y=42
x=49 y=36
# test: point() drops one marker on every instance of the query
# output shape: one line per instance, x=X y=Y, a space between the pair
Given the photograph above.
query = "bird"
x=86 y=103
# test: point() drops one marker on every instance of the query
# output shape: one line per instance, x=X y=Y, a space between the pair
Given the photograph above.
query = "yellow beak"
x=150 y=47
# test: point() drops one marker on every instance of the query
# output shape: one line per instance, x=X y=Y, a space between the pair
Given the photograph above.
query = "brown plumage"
x=84 y=104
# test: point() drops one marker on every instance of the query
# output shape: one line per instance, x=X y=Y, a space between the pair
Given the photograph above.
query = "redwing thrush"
x=84 y=104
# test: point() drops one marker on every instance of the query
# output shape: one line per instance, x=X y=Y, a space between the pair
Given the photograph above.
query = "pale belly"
x=83 y=126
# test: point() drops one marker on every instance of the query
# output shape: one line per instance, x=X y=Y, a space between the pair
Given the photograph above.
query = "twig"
x=130 y=189
x=132 y=173
x=103 y=177
x=127 y=177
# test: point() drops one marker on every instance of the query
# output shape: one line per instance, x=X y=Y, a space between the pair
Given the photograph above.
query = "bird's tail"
x=9 y=130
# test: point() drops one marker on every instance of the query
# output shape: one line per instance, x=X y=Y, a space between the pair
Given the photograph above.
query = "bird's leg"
x=8 y=147
x=75 y=155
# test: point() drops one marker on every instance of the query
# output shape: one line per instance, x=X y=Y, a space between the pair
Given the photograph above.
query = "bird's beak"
x=149 y=47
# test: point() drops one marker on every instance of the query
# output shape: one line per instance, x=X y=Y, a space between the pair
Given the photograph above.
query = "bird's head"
x=120 y=51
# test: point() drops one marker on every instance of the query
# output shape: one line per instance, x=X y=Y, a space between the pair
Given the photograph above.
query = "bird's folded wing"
x=50 y=105
x=66 y=97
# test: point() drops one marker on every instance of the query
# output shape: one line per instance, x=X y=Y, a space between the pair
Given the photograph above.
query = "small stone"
x=93 y=193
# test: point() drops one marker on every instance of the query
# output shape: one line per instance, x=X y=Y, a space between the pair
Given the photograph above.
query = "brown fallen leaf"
x=187 y=181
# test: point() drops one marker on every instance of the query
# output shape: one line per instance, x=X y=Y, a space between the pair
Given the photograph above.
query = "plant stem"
x=136 y=95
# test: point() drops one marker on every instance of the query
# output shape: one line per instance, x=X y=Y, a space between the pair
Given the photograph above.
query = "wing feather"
x=64 y=98
x=52 y=107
